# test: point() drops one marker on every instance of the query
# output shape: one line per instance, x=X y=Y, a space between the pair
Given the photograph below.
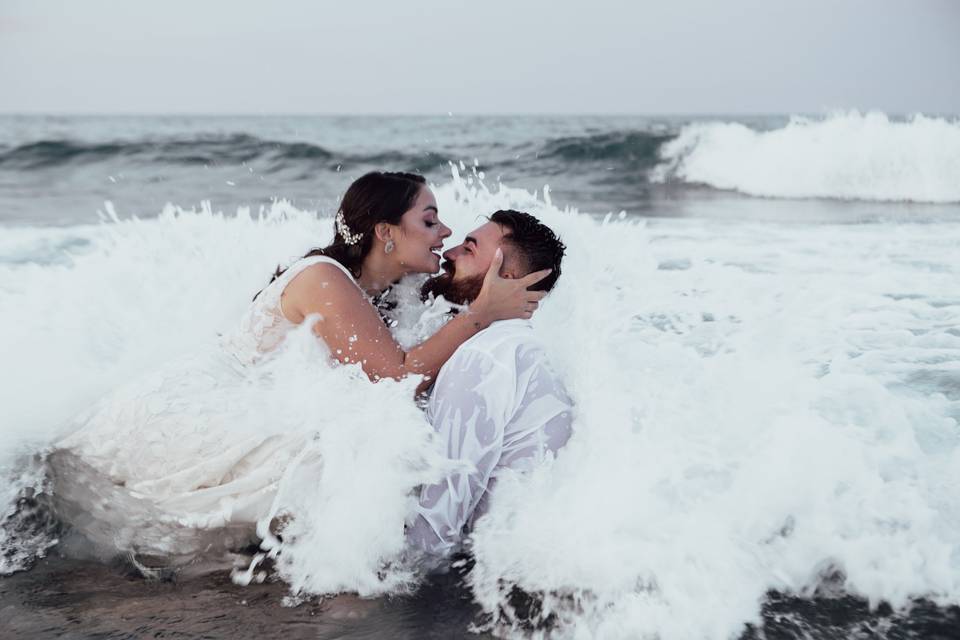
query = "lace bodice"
x=263 y=325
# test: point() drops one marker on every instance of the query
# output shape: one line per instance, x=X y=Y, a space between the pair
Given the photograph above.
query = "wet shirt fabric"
x=497 y=407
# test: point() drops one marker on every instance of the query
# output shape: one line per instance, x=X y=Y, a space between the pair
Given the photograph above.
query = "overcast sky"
x=486 y=56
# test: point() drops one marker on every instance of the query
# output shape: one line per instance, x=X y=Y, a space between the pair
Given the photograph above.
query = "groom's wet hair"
x=535 y=245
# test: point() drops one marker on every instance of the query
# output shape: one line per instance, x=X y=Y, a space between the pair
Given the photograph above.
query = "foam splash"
x=844 y=155
x=757 y=405
x=126 y=311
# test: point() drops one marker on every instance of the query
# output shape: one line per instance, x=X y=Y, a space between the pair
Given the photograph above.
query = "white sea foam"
x=850 y=156
x=135 y=294
x=756 y=404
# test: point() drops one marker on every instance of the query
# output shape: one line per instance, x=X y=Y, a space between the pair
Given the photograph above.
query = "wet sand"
x=79 y=599
x=76 y=599
x=61 y=598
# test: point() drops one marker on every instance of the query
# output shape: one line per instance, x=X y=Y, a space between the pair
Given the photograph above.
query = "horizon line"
x=451 y=114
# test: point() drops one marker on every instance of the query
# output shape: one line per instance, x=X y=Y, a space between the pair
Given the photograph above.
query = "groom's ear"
x=509 y=270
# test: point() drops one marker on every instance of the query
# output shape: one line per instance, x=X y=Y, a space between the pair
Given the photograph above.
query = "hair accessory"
x=344 y=230
x=388 y=247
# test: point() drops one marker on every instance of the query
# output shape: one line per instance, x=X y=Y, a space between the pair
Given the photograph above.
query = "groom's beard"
x=463 y=291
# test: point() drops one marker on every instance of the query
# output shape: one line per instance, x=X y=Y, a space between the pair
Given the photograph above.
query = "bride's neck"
x=378 y=272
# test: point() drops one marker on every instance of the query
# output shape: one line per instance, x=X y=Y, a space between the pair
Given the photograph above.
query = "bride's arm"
x=353 y=330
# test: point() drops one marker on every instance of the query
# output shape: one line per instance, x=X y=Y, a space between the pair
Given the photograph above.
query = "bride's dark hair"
x=379 y=196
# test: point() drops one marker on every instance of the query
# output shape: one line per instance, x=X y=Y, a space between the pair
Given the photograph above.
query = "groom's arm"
x=469 y=411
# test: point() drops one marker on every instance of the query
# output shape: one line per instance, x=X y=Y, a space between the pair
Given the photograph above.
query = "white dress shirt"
x=496 y=405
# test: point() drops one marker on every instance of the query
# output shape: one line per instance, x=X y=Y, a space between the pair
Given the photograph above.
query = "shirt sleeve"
x=469 y=409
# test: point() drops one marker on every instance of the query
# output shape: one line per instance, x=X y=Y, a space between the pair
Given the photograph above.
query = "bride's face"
x=419 y=240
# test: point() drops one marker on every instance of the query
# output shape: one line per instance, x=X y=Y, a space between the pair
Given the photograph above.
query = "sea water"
x=758 y=320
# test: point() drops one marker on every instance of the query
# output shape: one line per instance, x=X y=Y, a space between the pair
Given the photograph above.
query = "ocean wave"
x=627 y=149
x=621 y=146
x=634 y=148
x=850 y=156
x=232 y=149
x=845 y=156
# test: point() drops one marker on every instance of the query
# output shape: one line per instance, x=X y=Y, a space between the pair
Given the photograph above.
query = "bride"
x=165 y=453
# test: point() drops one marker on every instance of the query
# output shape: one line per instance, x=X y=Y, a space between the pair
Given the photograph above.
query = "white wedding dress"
x=188 y=449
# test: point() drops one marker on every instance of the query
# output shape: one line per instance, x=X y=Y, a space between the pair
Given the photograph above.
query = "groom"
x=496 y=406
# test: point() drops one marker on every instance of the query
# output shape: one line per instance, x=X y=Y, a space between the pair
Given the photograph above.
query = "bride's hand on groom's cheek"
x=507 y=298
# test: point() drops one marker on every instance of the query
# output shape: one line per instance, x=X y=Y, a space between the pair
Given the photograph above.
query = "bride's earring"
x=388 y=248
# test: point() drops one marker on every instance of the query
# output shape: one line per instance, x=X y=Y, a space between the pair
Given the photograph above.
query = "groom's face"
x=465 y=265
x=473 y=256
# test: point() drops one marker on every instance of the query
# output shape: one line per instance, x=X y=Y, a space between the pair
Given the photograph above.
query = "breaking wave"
x=849 y=156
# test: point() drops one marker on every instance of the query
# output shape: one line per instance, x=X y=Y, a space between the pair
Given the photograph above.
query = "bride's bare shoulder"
x=315 y=287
